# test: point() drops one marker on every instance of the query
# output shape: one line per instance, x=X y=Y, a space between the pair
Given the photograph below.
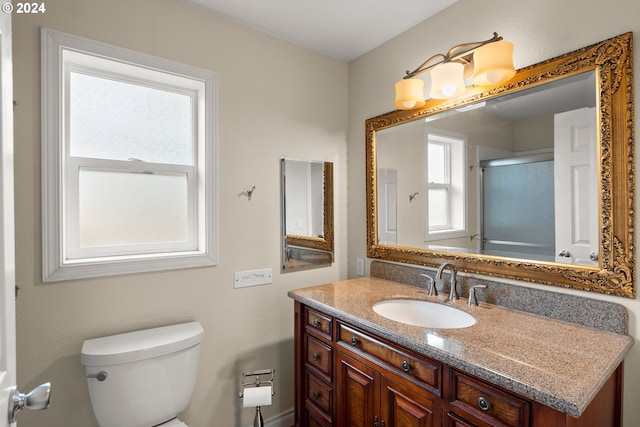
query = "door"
x=358 y=394
x=403 y=407
x=39 y=397
x=576 y=197
x=387 y=211
x=7 y=252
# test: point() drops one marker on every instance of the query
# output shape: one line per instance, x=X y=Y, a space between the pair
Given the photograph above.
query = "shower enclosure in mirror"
x=307 y=214
x=533 y=180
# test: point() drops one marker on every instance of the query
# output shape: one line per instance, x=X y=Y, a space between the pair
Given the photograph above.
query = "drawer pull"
x=315 y=356
x=316 y=323
x=316 y=395
x=354 y=341
x=406 y=366
x=484 y=404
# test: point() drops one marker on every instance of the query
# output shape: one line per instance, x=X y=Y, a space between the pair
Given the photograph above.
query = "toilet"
x=142 y=378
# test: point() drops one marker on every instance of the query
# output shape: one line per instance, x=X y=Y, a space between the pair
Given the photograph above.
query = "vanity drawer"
x=318 y=324
x=318 y=356
x=424 y=372
x=319 y=395
x=487 y=403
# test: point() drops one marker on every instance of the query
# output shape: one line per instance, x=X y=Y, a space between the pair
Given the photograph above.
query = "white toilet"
x=143 y=378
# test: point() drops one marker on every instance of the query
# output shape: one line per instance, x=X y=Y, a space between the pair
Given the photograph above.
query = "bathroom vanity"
x=355 y=367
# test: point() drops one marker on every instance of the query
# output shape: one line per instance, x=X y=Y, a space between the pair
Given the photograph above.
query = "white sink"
x=424 y=313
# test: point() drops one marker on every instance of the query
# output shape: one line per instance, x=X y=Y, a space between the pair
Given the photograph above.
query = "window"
x=128 y=161
x=446 y=185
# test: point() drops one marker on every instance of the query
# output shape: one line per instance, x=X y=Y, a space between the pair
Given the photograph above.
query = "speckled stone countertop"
x=558 y=364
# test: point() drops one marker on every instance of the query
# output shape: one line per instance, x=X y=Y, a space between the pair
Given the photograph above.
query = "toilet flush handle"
x=100 y=376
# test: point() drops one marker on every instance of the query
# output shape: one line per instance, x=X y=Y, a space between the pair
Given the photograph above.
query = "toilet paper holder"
x=256 y=381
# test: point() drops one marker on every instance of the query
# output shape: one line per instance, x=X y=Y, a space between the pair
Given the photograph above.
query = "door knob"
x=38 y=398
x=564 y=253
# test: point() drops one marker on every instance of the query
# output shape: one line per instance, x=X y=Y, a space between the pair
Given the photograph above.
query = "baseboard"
x=283 y=420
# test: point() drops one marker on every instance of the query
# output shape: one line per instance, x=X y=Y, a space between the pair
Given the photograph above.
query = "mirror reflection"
x=307 y=214
x=512 y=176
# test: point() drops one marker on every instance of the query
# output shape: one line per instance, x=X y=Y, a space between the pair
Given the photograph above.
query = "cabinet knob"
x=315 y=356
x=375 y=422
x=406 y=366
x=316 y=395
x=484 y=404
x=316 y=323
x=354 y=341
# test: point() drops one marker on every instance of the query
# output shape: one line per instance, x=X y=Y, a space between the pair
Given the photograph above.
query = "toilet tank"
x=142 y=378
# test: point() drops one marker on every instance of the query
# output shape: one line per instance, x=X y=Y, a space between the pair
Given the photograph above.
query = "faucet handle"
x=473 y=300
x=432 y=287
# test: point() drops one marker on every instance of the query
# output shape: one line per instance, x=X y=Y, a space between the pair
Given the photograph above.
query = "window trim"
x=55 y=267
x=457 y=228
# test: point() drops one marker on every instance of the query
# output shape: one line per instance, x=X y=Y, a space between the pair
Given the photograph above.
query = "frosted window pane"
x=119 y=208
x=437 y=207
x=118 y=121
x=436 y=167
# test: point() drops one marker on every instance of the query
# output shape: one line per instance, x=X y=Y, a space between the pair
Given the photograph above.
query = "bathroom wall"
x=276 y=100
x=539 y=30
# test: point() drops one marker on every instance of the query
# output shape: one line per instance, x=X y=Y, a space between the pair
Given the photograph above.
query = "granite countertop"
x=558 y=364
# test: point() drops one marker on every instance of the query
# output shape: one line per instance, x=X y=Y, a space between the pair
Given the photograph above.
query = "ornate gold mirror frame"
x=612 y=61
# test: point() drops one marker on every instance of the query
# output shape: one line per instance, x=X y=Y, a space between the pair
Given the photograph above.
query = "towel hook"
x=248 y=193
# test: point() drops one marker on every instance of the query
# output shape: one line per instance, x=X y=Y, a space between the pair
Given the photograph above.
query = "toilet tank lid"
x=139 y=345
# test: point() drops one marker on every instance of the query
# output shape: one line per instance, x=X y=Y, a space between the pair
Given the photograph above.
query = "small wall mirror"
x=307 y=214
x=532 y=180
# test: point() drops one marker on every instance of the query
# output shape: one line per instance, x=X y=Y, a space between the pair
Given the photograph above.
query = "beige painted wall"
x=540 y=29
x=276 y=99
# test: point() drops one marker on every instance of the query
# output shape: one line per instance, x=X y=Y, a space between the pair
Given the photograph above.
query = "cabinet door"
x=405 y=407
x=358 y=393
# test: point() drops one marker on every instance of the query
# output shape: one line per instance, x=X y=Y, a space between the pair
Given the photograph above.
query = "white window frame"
x=61 y=260
x=455 y=184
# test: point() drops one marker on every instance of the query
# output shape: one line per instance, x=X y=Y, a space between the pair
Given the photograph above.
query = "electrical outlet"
x=360 y=266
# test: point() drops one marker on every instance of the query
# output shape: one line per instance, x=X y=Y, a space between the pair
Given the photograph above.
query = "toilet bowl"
x=142 y=378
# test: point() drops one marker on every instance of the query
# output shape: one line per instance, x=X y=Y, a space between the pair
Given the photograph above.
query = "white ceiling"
x=343 y=29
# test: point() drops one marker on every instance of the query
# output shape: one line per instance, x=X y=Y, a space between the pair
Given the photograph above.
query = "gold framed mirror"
x=307 y=214
x=604 y=73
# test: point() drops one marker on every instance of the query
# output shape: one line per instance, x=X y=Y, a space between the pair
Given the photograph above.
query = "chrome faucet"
x=453 y=294
x=432 y=287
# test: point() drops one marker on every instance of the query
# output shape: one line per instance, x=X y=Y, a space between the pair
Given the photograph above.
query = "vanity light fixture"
x=488 y=62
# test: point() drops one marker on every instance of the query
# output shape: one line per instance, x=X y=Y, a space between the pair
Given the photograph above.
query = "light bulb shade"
x=447 y=80
x=409 y=94
x=493 y=63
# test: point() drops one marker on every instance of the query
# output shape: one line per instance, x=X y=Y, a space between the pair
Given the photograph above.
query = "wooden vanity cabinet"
x=346 y=377
x=314 y=371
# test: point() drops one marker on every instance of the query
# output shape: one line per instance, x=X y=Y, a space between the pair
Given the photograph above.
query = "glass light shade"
x=493 y=63
x=447 y=80
x=409 y=94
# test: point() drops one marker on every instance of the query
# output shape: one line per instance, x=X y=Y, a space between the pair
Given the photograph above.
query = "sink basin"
x=424 y=313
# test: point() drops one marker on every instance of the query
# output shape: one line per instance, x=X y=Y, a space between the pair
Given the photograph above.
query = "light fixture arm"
x=456 y=53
